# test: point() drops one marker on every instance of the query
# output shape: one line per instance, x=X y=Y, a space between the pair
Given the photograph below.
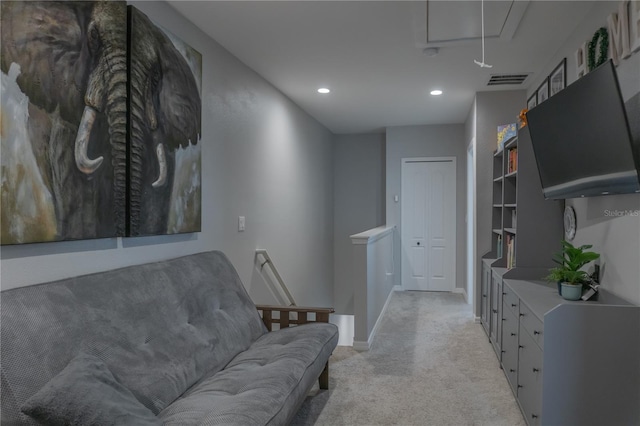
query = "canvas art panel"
x=63 y=118
x=532 y=102
x=165 y=131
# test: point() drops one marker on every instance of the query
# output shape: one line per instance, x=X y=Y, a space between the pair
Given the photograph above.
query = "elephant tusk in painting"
x=162 y=162
x=84 y=163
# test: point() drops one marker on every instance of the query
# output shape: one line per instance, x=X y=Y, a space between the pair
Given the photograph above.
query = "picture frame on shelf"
x=558 y=78
x=543 y=91
x=532 y=102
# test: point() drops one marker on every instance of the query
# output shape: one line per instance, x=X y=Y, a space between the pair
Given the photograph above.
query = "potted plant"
x=569 y=274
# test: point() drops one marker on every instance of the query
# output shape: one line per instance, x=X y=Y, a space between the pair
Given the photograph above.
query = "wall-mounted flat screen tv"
x=582 y=141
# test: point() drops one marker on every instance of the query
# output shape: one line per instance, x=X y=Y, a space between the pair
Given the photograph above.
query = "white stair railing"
x=266 y=261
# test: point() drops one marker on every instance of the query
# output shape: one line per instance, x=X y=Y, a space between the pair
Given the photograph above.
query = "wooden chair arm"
x=302 y=317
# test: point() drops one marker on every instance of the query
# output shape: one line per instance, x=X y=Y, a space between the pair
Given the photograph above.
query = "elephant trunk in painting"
x=136 y=147
x=116 y=111
x=107 y=92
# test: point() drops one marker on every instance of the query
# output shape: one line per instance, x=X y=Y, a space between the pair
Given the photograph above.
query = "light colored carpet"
x=429 y=364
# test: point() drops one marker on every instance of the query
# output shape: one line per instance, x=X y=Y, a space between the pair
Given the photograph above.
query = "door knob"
x=418 y=242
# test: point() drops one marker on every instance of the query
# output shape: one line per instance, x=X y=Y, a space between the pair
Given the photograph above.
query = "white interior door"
x=428 y=224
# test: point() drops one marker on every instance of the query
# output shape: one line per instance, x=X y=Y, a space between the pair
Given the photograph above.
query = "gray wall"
x=446 y=140
x=262 y=157
x=616 y=238
x=358 y=204
x=492 y=109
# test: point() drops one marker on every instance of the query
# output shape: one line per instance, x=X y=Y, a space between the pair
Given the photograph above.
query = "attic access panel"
x=459 y=22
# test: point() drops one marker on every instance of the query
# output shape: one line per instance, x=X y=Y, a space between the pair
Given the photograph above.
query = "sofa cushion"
x=264 y=385
x=159 y=327
x=86 y=393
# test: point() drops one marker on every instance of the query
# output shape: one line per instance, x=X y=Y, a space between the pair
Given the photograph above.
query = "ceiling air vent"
x=502 y=79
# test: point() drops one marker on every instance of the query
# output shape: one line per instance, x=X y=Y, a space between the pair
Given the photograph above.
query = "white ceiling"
x=369 y=53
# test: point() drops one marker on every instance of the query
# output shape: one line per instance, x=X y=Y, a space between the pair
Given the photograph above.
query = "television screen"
x=582 y=141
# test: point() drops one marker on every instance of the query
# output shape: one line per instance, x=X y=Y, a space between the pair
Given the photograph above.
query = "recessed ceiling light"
x=436 y=92
x=323 y=90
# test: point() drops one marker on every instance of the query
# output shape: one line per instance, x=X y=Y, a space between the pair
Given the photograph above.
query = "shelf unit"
x=526 y=228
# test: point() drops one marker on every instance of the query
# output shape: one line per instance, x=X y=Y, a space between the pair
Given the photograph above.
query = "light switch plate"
x=241 y=223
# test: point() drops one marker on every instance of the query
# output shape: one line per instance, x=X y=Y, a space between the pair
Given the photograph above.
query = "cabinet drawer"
x=530 y=379
x=510 y=347
x=532 y=324
x=484 y=305
x=510 y=299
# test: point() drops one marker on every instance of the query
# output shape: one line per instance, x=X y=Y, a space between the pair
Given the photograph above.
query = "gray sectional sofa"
x=177 y=342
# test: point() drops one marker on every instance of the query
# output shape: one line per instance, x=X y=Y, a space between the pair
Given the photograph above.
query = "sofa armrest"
x=301 y=315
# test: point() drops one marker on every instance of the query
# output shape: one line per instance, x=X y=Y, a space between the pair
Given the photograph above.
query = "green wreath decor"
x=603 y=35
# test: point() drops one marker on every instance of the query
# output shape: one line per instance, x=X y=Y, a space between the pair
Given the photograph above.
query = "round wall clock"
x=569 y=223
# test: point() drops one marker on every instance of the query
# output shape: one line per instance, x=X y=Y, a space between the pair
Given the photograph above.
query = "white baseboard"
x=463 y=292
x=361 y=346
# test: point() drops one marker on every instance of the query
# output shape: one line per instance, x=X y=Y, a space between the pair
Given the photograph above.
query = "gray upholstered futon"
x=177 y=342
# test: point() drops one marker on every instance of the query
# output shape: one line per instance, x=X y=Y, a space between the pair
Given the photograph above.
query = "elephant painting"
x=100 y=138
x=63 y=120
x=165 y=127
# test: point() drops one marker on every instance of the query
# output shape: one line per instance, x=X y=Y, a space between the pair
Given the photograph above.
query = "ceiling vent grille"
x=502 y=79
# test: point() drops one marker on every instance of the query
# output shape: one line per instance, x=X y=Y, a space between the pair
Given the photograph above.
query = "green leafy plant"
x=571 y=260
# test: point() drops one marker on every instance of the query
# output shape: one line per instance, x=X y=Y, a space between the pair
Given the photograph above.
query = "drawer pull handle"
x=535 y=370
x=504 y=319
x=536 y=332
x=521 y=315
x=520 y=386
x=533 y=416
x=504 y=294
x=495 y=311
x=484 y=295
x=512 y=370
x=503 y=351
x=521 y=347
x=513 y=305
x=513 y=334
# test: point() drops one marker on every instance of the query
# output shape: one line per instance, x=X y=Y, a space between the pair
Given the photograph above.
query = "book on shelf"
x=512 y=164
x=511 y=251
x=499 y=246
x=514 y=219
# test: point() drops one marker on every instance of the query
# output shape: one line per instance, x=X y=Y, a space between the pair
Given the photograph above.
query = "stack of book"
x=512 y=164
